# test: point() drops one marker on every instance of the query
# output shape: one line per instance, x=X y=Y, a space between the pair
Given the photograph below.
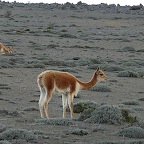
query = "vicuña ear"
x=97 y=69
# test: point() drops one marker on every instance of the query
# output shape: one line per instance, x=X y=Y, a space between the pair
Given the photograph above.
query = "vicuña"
x=4 y=50
x=64 y=83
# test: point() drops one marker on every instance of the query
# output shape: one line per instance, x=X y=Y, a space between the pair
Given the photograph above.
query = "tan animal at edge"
x=4 y=50
x=64 y=83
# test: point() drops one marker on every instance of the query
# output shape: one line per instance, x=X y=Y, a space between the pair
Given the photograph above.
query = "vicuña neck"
x=89 y=84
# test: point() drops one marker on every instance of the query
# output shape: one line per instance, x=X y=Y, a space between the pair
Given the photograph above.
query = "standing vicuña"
x=4 y=50
x=64 y=83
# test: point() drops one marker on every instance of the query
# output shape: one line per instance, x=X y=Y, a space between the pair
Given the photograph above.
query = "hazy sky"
x=121 y=2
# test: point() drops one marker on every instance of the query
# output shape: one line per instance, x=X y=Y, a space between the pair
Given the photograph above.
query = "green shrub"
x=82 y=105
x=128 y=118
x=86 y=114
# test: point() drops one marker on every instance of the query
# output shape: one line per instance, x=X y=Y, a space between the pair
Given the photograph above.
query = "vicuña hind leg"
x=48 y=98
x=41 y=102
x=70 y=103
x=64 y=103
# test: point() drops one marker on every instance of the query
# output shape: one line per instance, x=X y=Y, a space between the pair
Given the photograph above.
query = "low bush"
x=128 y=74
x=83 y=105
x=23 y=134
x=101 y=88
x=130 y=102
x=121 y=142
x=106 y=114
x=131 y=132
x=80 y=132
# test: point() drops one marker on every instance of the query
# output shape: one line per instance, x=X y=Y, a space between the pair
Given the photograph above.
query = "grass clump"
x=122 y=142
x=9 y=113
x=101 y=88
x=131 y=132
x=83 y=105
x=67 y=35
x=30 y=109
x=113 y=68
x=132 y=102
x=81 y=46
x=128 y=74
x=141 y=99
x=127 y=49
x=8 y=14
x=4 y=86
x=80 y=132
x=128 y=118
x=22 y=134
x=5 y=142
x=106 y=114
x=141 y=50
x=52 y=46
x=86 y=114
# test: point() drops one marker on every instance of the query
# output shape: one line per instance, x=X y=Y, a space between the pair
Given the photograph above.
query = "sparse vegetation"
x=22 y=134
x=128 y=74
x=8 y=14
x=67 y=35
x=83 y=105
x=127 y=49
x=55 y=121
x=130 y=102
x=131 y=132
x=128 y=118
x=106 y=114
x=121 y=142
x=80 y=132
x=101 y=88
x=4 y=86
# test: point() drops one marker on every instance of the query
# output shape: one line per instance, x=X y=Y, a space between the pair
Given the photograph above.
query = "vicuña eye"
x=101 y=74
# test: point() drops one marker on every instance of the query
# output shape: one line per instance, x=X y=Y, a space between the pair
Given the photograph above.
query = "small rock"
x=76 y=58
x=106 y=94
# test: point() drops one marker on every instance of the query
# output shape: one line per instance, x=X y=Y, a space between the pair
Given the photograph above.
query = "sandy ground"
x=68 y=40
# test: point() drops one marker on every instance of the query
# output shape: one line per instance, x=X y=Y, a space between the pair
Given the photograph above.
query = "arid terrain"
x=76 y=41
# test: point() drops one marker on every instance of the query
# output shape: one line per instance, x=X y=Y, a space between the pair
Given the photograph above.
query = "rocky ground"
x=76 y=39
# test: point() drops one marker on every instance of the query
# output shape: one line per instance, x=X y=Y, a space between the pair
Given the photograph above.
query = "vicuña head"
x=64 y=83
x=9 y=50
x=4 y=50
